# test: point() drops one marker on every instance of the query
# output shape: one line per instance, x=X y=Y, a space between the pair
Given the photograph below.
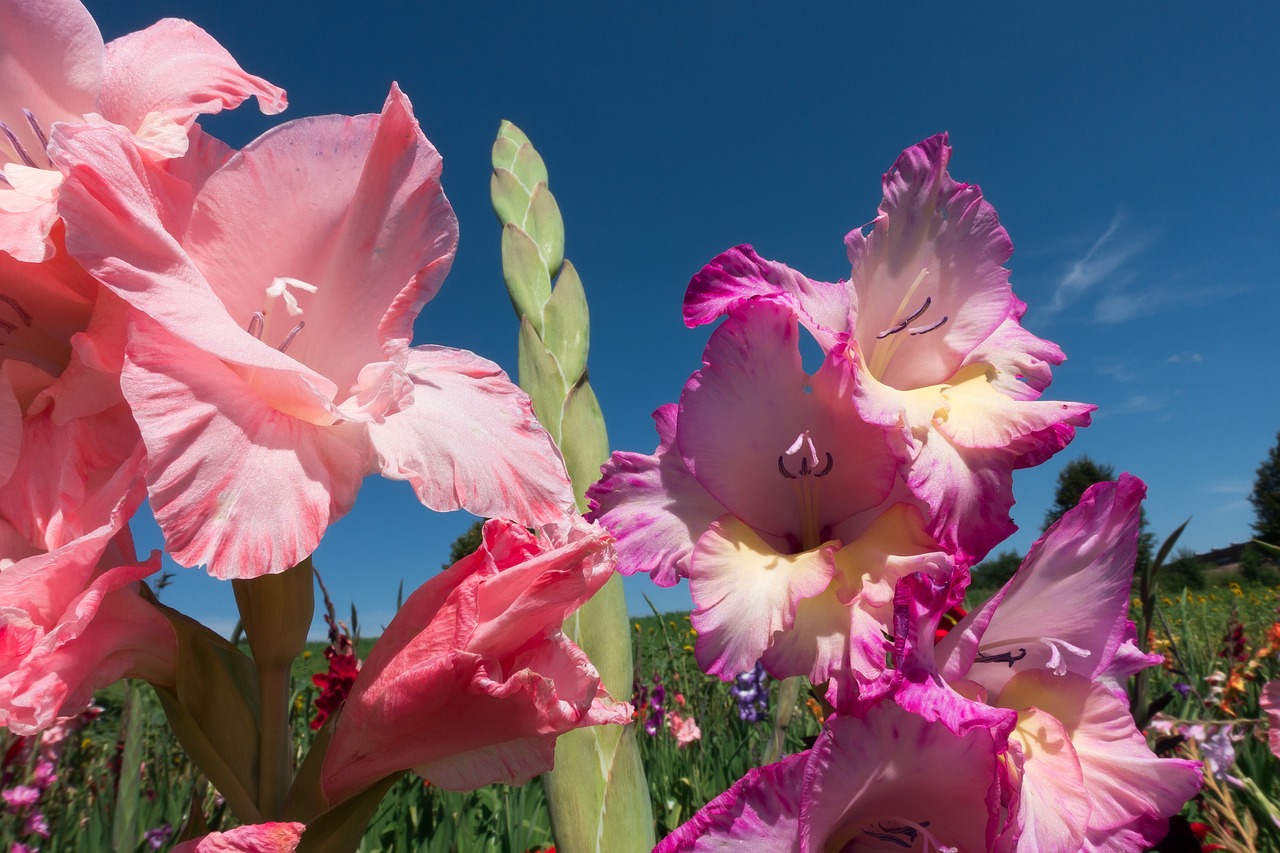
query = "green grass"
x=103 y=799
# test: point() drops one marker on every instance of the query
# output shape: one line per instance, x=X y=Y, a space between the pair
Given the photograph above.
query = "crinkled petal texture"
x=55 y=68
x=51 y=58
x=72 y=621
x=473 y=680
x=760 y=812
x=1087 y=770
x=941 y=357
x=178 y=70
x=285 y=338
x=254 y=838
x=654 y=506
x=1066 y=609
x=886 y=781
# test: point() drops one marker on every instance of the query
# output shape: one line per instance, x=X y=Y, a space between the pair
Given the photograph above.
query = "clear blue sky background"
x=1129 y=150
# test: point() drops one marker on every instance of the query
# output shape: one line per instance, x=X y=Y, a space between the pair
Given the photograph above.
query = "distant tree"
x=995 y=572
x=1184 y=572
x=1265 y=498
x=1074 y=480
x=1258 y=566
x=466 y=544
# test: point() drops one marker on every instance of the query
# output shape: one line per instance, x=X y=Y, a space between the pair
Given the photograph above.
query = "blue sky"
x=1127 y=149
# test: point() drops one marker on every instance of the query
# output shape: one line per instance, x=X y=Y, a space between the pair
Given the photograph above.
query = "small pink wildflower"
x=20 y=796
x=684 y=729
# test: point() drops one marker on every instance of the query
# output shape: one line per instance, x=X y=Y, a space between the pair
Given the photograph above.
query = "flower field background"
x=116 y=779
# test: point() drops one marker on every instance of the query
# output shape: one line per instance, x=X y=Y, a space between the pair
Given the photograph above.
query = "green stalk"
x=597 y=770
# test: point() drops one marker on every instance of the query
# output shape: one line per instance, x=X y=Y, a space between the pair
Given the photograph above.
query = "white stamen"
x=803 y=440
x=280 y=287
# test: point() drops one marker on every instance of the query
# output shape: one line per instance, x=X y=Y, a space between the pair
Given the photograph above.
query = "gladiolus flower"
x=473 y=680
x=152 y=84
x=870 y=782
x=933 y=335
x=268 y=366
x=255 y=838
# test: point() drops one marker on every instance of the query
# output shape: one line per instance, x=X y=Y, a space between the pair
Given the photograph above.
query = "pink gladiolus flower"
x=255 y=838
x=73 y=621
x=889 y=781
x=268 y=365
x=1033 y=664
x=473 y=680
x=1270 y=704
x=768 y=491
x=932 y=331
x=55 y=68
x=684 y=729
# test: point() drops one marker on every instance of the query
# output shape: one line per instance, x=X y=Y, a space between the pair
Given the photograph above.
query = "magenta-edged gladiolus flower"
x=72 y=620
x=54 y=68
x=473 y=680
x=768 y=493
x=933 y=330
x=268 y=365
x=1269 y=702
x=889 y=781
x=254 y=838
x=1034 y=663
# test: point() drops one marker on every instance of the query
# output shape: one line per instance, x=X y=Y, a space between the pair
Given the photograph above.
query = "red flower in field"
x=335 y=684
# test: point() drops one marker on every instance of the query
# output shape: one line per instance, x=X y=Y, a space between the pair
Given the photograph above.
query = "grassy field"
x=123 y=784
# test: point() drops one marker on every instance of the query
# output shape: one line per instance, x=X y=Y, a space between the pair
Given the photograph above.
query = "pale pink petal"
x=738 y=275
x=1054 y=806
x=10 y=428
x=375 y=244
x=1024 y=362
x=892 y=777
x=654 y=507
x=235 y=484
x=751 y=411
x=175 y=68
x=255 y=838
x=745 y=591
x=1067 y=606
x=123 y=216
x=1123 y=778
x=50 y=63
x=760 y=812
x=979 y=416
x=470 y=441
x=937 y=240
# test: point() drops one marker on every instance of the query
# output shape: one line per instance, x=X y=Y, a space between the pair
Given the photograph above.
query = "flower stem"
x=788 y=694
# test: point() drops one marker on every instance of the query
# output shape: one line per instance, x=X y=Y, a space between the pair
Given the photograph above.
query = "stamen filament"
x=36 y=128
x=17 y=146
x=293 y=333
x=256 y=324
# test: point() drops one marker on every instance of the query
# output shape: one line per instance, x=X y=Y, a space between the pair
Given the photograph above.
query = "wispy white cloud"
x=1231 y=487
x=1185 y=358
x=1120 y=371
x=1138 y=404
x=1101 y=262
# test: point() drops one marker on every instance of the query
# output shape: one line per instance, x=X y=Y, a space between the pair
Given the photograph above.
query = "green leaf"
x=540 y=378
x=584 y=443
x=528 y=284
x=546 y=227
x=213 y=708
x=510 y=131
x=124 y=828
x=340 y=829
x=1167 y=547
x=566 y=324
x=510 y=199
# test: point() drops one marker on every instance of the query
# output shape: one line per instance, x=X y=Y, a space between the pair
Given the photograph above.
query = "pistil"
x=803 y=483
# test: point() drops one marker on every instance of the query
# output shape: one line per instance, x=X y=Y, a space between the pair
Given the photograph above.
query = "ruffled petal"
x=177 y=69
x=745 y=591
x=739 y=275
x=470 y=441
x=760 y=812
x=654 y=506
x=235 y=484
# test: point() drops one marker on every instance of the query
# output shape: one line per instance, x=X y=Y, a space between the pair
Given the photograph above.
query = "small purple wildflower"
x=656 y=719
x=1184 y=689
x=752 y=692
x=158 y=837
